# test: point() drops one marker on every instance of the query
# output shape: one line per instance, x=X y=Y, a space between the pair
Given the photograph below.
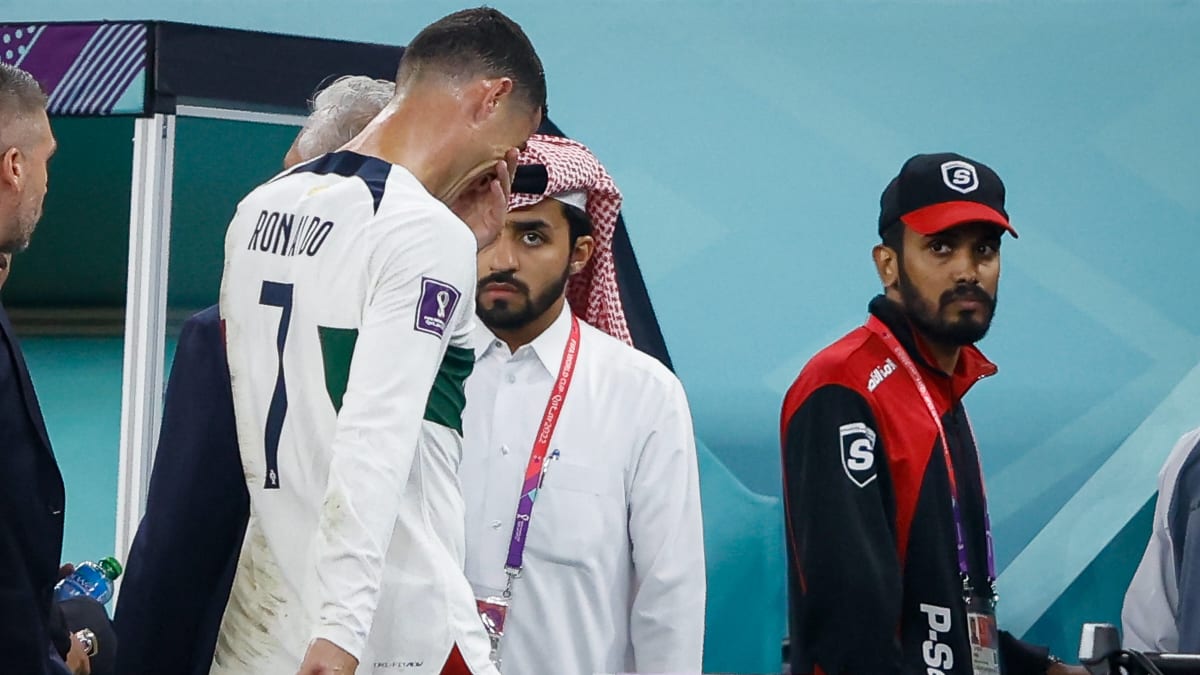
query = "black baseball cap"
x=936 y=192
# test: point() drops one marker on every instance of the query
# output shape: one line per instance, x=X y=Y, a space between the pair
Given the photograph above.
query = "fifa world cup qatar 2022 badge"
x=436 y=306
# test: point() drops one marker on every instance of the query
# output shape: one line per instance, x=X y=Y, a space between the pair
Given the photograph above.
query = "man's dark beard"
x=966 y=331
x=502 y=316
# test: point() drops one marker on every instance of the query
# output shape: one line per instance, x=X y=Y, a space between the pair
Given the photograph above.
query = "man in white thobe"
x=611 y=555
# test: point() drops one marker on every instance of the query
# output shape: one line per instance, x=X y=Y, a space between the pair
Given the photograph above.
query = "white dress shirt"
x=613 y=575
x=1152 y=601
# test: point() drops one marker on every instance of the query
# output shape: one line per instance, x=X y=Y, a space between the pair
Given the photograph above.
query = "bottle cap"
x=112 y=568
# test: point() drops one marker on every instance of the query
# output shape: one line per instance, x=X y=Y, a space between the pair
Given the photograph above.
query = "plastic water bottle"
x=92 y=580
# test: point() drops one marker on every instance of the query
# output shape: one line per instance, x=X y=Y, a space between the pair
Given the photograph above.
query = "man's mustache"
x=504 y=278
x=966 y=292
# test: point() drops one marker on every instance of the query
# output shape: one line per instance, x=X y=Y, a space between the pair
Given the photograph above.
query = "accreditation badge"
x=492 y=612
x=985 y=638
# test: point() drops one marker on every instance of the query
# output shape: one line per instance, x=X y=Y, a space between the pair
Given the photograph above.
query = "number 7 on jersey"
x=275 y=294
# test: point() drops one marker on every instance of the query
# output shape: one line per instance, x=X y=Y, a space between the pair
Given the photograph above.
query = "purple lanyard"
x=535 y=471
x=877 y=327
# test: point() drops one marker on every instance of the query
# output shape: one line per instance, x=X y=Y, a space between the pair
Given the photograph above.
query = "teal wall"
x=78 y=381
x=752 y=139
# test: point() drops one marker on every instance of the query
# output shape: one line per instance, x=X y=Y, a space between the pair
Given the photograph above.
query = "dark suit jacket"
x=184 y=556
x=32 y=501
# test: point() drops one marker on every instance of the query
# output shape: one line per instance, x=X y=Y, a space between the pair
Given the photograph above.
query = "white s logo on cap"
x=960 y=176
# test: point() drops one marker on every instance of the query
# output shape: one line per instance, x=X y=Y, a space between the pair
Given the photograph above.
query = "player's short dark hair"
x=480 y=42
x=579 y=222
x=20 y=97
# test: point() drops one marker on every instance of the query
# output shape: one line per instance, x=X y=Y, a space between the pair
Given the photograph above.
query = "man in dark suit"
x=185 y=553
x=183 y=558
x=69 y=654
x=32 y=499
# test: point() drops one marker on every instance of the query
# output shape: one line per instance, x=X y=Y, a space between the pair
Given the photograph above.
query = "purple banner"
x=86 y=69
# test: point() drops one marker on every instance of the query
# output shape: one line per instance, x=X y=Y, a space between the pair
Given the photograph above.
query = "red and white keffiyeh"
x=593 y=292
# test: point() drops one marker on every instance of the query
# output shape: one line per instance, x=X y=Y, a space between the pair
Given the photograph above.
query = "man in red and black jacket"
x=891 y=566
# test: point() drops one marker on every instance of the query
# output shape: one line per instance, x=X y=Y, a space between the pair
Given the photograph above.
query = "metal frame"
x=145 y=318
x=232 y=115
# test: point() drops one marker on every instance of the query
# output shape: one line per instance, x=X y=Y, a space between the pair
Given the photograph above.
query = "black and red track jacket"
x=875 y=586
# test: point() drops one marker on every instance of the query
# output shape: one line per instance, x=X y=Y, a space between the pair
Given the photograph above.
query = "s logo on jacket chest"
x=858 y=452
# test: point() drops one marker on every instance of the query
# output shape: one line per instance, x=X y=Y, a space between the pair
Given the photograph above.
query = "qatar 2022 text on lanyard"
x=494 y=609
x=981 y=613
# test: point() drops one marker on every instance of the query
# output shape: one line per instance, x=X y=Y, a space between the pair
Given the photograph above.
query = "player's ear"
x=493 y=96
x=887 y=265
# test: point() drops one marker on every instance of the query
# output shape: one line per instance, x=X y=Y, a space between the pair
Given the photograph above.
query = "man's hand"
x=77 y=659
x=484 y=204
x=326 y=658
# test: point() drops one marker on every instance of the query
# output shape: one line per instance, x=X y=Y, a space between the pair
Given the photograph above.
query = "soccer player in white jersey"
x=198 y=505
x=604 y=572
x=347 y=300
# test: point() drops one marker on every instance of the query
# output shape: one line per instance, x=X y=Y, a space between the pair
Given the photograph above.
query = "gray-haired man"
x=339 y=112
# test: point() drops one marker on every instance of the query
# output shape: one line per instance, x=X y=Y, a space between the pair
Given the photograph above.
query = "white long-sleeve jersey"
x=347 y=300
